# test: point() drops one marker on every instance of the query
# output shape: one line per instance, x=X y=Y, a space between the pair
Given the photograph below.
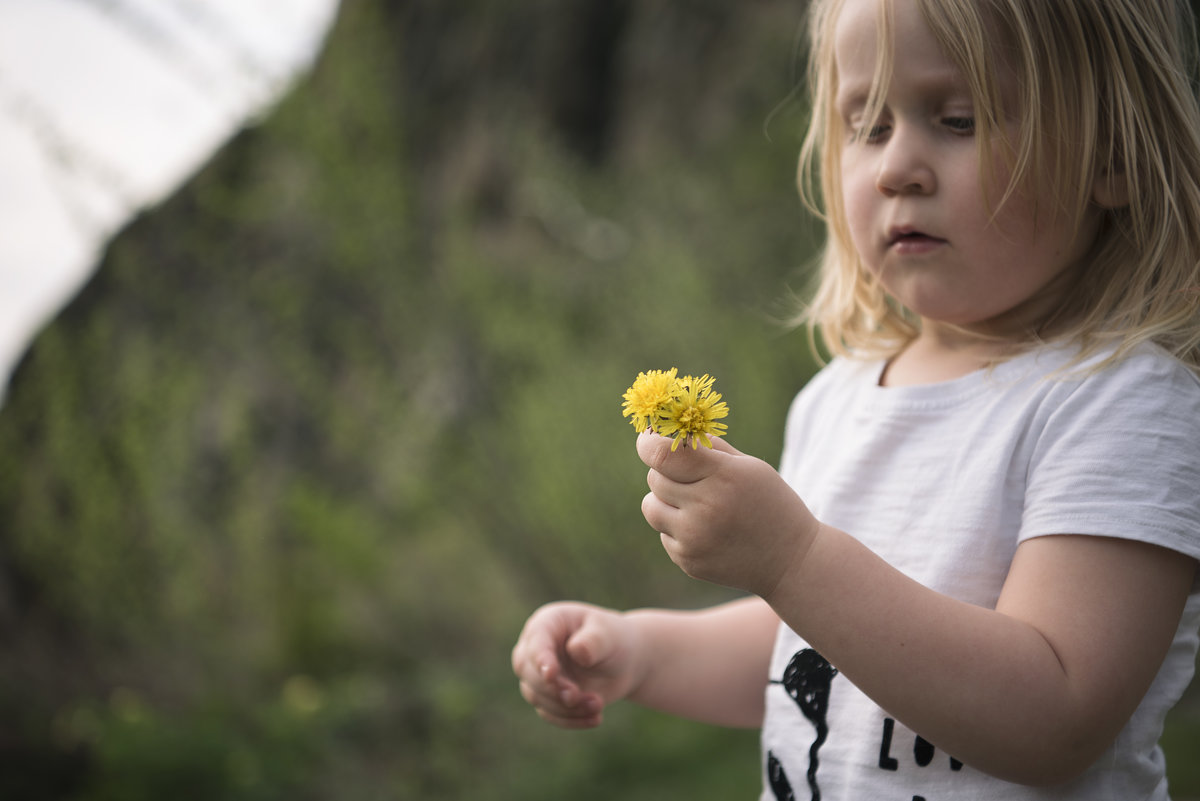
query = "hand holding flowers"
x=723 y=516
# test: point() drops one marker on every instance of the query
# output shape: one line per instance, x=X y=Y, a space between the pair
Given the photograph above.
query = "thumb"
x=591 y=645
x=684 y=464
x=719 y=444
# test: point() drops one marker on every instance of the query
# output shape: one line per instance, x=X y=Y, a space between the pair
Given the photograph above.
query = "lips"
x=910 y=239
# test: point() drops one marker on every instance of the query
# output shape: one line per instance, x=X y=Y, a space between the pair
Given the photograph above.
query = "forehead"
x=876 y=41
x=856 y=25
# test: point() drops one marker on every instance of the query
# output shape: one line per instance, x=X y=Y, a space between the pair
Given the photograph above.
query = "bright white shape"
x=106 y=107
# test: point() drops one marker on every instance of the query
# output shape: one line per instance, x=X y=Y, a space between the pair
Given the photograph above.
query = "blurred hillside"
x=281 y=485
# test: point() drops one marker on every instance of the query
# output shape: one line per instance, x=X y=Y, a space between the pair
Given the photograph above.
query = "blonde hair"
x=1105 y=92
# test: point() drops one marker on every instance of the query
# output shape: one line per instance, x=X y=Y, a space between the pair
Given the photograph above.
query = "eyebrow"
x=850 y=100
x=943 y=81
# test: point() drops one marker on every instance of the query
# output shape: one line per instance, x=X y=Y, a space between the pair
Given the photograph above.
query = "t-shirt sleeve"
x=1117 y=454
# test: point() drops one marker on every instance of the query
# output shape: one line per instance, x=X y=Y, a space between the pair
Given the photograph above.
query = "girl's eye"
x=870 y=133
x=961 y=125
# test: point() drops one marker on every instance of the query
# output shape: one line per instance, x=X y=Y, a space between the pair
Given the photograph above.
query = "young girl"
x=974 y=575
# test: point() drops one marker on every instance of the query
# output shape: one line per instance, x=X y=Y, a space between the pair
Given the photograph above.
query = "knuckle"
x=660 y=453
x=650 y=509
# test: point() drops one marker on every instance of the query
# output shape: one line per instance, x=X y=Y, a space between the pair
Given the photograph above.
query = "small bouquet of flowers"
x=684 y=408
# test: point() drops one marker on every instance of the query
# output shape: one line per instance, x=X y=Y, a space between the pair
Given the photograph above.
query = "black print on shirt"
x=777 y=780
x=923 y=750
x=807 y=679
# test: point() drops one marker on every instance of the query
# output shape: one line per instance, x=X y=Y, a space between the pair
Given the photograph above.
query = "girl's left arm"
x=1032 y=691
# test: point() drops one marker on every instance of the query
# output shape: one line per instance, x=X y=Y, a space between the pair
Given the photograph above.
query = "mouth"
x=908 y=238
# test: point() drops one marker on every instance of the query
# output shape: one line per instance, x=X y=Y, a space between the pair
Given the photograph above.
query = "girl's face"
x=913 y=189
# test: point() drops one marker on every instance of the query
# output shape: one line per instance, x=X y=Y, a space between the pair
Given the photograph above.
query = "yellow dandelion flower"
x=647 y=399
x=703 y=384
x=692 y=414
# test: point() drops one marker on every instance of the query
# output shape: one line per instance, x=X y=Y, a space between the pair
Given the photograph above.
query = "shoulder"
x=1144 y=384
x=1148 y=362
x=1145 y=399
x=1116 y=451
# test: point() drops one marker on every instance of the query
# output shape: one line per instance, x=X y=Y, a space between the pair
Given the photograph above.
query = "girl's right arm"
x=574 y=659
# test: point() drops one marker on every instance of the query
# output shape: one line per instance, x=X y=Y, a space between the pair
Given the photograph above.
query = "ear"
x=1110 y=190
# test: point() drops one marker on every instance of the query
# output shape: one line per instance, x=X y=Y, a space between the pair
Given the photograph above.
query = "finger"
x=591 y=644
x=588 y=720
x=719 y=444
x=670 y=545
x=685 y=464
x=571 y=707
x=570 y=701
x=659 y=514
x=551 y=689
x=600 y=647
x=538 y=659
x=537 y=695
x=663 y=488
x=535 y=655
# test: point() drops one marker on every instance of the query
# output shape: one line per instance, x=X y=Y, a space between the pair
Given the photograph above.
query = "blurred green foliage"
x=281 y=485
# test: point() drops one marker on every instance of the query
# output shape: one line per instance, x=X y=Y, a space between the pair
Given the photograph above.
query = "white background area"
x=106 y=107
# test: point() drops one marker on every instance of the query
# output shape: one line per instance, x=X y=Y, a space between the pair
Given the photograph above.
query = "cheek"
x=858 y=205
x=1013 y=219
x=1012 y=225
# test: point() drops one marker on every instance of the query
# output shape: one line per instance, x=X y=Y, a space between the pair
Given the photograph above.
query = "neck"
x=943 y=353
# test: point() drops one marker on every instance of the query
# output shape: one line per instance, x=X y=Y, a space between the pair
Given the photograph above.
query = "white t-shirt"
x=943 y=481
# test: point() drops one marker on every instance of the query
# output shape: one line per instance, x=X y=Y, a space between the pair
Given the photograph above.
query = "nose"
x=905 y=166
